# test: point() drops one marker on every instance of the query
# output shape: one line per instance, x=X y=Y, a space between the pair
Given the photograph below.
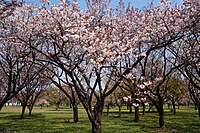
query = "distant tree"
x=176 y=90
x=188 y=56
x=55 y=97
x=156 y=70
x=137 y=97
x=109 y=102
x=59 y=79
x=29 y=94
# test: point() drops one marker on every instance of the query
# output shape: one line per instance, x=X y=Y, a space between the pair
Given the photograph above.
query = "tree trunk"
x=161 y=119
x=188 y=104
x=120 y=111
x=178 y=104
x=95 y=119
x=5 y=100
x=75 y=110
x=23 y=111
x=108 y=109
x=130 y=108
x=174 y=106
x=30 y=111
x=199 y=111
x=143 y=108
x=168 y=105
x=195 y=106
x=160 y=109
x=136 y=119
x=57 y=106
x=30 y=107
x=1 y=106
x=96 y=126
x=198 y=106
x=150 y=107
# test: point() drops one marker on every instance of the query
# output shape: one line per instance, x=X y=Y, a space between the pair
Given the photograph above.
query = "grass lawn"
x=48 y=120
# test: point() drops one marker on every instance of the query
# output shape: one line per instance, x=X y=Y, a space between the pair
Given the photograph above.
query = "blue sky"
x=136 y=3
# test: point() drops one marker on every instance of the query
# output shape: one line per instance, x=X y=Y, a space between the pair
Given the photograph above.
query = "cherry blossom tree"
x=16 y=64
x=137 y=96
x=68 y=89
x=97 y=48
x=187 y=50
x=7 y=7
x=29 y=94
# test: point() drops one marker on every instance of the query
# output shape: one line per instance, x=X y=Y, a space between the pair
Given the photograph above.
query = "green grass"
x=48 y=120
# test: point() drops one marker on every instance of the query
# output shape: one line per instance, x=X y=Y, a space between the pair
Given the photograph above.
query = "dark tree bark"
x=120 y=110
x=130 y=108
x=136 y=119
x=108 y=109
x=75 y=111
x=150 y=107
x=160 y=110
x=96 y=119
x=174 y=106
x=195 y=106
x=71 y=96
x=143 y=108
x=96 y=126
x=23 y=111
x=30 y=111
x=161 y=118
x=41 y=106
x=31 y=104
x=195 y=97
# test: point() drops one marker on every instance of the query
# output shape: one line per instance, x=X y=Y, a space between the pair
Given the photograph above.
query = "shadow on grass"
x=60 y=122
x=15 y=123
x=40 y=123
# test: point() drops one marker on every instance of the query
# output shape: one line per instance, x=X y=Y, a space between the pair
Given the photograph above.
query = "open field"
x=48 y=120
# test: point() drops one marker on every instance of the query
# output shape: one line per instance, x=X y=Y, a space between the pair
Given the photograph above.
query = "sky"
x=136 y=3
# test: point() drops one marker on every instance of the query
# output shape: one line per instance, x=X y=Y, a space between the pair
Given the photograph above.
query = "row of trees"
x=96 y=52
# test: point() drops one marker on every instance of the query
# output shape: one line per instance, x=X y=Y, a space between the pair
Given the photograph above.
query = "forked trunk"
x=30 y=111
x=23 y=111
x=95 y=119
x=30 y=108
x=136 y=119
